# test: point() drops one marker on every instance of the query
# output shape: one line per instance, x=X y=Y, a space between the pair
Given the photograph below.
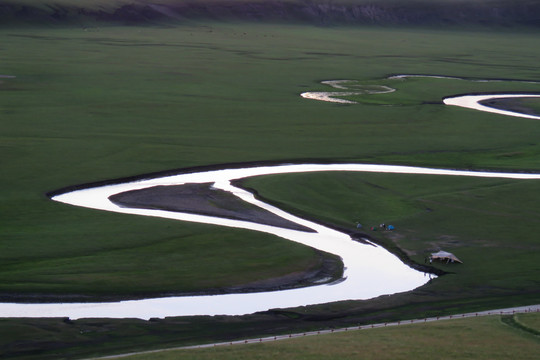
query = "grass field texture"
x=125 y=101
x=107 y=102
x=488 y=223
x=477 y=338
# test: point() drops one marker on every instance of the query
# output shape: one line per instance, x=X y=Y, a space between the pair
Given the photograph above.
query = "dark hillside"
x=320 y=12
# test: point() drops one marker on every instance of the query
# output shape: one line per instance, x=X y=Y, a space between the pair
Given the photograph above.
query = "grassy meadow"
x=487 y=223
x=104 y=102
x=473 y=338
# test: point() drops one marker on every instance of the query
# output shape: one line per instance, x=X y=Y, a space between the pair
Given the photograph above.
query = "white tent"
x=443 y=255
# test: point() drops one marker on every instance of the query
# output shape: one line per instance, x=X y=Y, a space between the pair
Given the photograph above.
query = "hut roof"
x=444 y=255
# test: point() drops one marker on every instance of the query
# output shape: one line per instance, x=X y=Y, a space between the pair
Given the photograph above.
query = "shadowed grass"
x=219 y=93
x=149 y=258
x=530 y=321
x=487 y=223
x=111 y=102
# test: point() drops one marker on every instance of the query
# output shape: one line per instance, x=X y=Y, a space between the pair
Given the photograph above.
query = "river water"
x=370 y=270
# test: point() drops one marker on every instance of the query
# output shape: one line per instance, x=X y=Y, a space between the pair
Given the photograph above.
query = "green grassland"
x=488 y=223
x=107 y=102
x=476 y=338
x=125 y=101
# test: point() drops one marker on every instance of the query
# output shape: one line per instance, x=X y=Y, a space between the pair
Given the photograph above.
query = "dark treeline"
x=320 y=12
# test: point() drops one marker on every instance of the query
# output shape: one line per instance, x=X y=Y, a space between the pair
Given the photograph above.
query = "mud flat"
x=201 y=199
x=512 y=105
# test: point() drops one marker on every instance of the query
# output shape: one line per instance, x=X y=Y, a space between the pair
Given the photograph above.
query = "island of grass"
x=201 y=199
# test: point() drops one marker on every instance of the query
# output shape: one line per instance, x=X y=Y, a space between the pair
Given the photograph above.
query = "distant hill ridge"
x=320 y=12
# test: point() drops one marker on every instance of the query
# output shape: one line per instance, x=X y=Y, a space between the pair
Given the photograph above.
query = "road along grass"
x=474 y=338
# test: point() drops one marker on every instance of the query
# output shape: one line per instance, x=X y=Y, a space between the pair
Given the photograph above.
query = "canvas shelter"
x=443 y=255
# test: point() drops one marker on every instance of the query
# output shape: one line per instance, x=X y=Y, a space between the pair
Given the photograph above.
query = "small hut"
x=443 y=255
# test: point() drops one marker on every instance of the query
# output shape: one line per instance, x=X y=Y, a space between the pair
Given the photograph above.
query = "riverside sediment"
x=201 y=199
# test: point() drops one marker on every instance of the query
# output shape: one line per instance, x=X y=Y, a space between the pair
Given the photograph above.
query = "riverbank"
x=327 y=269
x=374 y=268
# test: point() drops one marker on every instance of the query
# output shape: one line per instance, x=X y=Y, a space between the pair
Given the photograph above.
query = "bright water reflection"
x=474 y=102
x=371 y=271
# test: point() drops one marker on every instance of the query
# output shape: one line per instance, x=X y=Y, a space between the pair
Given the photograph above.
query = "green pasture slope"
x=479 y=338
x=102 y=101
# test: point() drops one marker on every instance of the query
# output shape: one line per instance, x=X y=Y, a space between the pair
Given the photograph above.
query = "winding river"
x=370 y=270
